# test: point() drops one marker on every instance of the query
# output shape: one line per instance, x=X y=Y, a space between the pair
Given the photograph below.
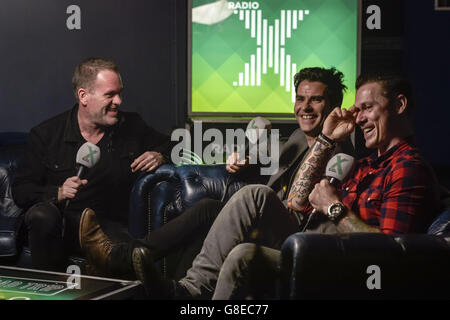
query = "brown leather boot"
x=94 y=243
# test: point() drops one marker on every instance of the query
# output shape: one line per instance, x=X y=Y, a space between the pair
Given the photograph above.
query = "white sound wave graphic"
x=270 y=47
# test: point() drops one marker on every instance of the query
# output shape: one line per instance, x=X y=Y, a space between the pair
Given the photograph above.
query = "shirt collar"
x=72 y=131
x=379 y=161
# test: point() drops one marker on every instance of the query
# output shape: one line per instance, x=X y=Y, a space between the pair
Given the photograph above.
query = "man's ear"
x=82 y=95
x=401 y=102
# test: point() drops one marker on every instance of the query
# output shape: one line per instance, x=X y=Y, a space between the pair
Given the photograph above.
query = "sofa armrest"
x=441 y=225
x=10 y=216
x=139 y=213
x=348 y=266
x=160 y=196
x=8 y=236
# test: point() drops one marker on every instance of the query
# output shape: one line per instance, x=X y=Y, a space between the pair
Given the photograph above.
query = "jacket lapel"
x=291 y=150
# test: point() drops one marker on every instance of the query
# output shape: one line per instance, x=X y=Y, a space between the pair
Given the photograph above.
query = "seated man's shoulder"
x=409 y=157
x=132 y=120
x=296 y=139
x=51 y=127
x=134 y=125
x=130 y=115
x=410 y=164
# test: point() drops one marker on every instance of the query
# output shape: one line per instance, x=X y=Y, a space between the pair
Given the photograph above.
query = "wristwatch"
x=336 y=211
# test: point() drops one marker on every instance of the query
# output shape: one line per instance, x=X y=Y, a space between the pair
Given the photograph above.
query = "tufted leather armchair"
x=314 y=266
x=160 y=196
x=11 y=146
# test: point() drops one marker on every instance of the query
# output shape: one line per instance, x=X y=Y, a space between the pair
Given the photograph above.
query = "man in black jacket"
x=46 y=183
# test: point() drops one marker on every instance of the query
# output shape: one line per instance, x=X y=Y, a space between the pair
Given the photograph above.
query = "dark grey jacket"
x=292 y=154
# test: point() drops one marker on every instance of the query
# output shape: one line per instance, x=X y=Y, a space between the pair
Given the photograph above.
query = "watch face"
x=335 y=210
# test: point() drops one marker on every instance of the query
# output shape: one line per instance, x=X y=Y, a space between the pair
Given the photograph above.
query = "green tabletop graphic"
x=244 y=57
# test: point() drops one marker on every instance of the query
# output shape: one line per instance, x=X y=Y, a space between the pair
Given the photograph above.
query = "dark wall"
x=148 y=40
x=413 y=39
x=427 y=62
x=38 y=54
x=383 y=48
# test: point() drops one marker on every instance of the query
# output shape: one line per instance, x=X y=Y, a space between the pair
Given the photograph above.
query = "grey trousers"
x=251 y=270
x=254 y=214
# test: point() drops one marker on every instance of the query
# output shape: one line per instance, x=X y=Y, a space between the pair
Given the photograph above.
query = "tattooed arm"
x=352 y=223
x=309 y=173
x=339 y=124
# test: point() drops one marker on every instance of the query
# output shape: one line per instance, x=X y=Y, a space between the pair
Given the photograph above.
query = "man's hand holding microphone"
x=255 y=129
x=87 y=156
x=70 y=188
x=339 y=124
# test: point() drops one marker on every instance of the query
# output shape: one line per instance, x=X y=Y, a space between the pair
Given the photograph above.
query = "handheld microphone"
x=338 y=168
x=253 y=133
x=87 y=156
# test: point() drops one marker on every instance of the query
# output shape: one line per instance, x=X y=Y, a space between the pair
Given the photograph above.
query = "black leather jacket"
x=50 y=155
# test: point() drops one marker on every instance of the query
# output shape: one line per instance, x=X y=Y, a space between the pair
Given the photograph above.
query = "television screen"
x=243 y=55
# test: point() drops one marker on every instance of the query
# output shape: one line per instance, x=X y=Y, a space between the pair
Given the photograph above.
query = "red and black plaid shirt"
x=395 y=192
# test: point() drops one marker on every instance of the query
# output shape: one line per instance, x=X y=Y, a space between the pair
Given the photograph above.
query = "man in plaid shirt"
x=393 y=191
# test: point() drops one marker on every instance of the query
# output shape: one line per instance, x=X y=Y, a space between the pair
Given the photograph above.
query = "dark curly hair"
x=332 y=78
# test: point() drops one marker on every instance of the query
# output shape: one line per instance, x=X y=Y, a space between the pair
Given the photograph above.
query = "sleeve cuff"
x=51 y=194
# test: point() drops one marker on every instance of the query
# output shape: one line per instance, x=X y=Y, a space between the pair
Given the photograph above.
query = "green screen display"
x=245 y=54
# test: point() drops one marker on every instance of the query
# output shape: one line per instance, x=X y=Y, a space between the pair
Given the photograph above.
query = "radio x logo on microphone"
x=337 y=165
x=90 y=156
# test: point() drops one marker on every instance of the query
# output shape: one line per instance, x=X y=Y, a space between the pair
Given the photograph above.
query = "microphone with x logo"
x=338 y=168
x=87 y=156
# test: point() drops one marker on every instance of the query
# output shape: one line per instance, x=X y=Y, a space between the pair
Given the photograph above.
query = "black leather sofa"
x=11 y=146
x=313 y=266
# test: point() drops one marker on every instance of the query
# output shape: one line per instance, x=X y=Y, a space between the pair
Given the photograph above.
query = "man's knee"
x=258 y=190
x=240 y=256
x=208 y=204
x=250 y=263
x=43 y=214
